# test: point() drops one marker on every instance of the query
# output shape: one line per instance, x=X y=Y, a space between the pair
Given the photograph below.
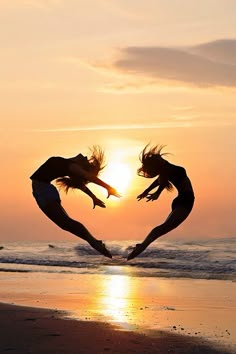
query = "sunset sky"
x=121 y=74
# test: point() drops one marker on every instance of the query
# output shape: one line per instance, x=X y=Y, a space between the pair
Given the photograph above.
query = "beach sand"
x=99 y=313
x=32 y=330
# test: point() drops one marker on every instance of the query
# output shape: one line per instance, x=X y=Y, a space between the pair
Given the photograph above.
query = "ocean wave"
x=206 y=260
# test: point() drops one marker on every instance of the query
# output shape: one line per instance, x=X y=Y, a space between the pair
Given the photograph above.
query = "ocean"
x=200 y=259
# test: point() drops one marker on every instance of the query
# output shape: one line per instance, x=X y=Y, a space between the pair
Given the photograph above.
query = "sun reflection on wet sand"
x=115 y=301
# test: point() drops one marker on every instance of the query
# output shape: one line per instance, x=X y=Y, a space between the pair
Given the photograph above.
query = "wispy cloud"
x=176 y=122
x=204 y=65
x=115 y=127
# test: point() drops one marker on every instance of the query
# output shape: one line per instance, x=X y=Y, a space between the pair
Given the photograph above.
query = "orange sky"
x=119 y=74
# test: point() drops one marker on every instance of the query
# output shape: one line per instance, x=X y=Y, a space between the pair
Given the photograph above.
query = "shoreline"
x=36 y=330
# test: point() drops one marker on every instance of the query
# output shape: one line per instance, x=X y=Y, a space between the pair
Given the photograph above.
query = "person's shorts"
x=44 y=193
x=184 y=199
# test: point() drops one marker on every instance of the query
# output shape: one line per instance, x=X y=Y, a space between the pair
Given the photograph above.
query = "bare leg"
x=58 y=215
x=175 y=218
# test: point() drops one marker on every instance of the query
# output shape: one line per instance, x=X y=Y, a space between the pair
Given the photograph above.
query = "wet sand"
x=33 y=330
x=98 y=313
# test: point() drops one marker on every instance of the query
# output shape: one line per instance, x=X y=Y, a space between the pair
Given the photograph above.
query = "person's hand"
x=142 y=195
x=152 y=197
x=112 y=191
x=98 y=202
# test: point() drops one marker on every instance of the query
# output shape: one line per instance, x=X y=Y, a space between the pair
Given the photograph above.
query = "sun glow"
x=118 y=175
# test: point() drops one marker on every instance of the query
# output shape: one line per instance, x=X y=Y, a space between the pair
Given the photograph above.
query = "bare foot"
x=100 y=247
x=139 y=248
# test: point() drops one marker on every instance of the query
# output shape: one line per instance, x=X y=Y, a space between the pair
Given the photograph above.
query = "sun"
x=118 y=175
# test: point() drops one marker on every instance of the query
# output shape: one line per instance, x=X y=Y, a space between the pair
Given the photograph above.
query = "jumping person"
x=74 y=172
x=168 y=175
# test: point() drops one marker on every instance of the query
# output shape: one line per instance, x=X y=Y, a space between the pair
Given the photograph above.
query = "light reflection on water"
x=123 y=299
x=116 y=298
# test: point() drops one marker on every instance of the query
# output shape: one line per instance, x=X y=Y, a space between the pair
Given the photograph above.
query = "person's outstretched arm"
x=155 y=184
x=110 y=190
x=77 y=170
x=155 y=195
x=95 y=200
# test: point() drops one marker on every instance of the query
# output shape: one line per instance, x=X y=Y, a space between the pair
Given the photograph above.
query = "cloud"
x=176 y=121
x=209 y=64
x=221 y=51
x=163 y=124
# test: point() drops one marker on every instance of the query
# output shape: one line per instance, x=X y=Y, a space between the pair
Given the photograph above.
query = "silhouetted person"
x=75 y=172
x=168 y=175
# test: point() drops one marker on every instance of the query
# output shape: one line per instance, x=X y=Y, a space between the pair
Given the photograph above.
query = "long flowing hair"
x=149 y=157
x=94 y=165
